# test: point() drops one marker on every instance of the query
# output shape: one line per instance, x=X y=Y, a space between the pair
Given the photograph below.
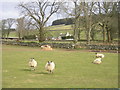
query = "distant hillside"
x=69 y=21
x=66 y=21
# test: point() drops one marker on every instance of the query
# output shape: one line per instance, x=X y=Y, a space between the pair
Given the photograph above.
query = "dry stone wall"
x=63 y=45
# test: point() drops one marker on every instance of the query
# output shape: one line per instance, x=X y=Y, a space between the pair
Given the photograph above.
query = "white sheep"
x=50 y=66
x=32 y=63
x=98 y=55
x=97 y=61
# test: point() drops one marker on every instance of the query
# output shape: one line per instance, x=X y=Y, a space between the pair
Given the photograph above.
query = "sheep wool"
x=98 y=55
x=46 y=47
x=97 y=61
x=50 y=66
x=32 y=63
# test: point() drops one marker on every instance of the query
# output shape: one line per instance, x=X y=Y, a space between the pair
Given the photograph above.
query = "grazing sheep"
x=32 y=63
x=97 y=61
x=50 y=66
x=46 y=47
x=98 y=55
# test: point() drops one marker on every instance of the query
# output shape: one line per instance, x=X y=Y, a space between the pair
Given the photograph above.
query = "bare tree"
x=6 y=25
x=40 y=11
x=81 y=10
x=108 y=14
x=3 y=28
x=20 y=27
x=88 y=13
x=73 y=9
x=9 y=22
x=76 y=22
x=28 y=25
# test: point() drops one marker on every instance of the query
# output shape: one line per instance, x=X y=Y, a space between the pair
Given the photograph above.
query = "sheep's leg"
x=51 y=71
x=32 y=68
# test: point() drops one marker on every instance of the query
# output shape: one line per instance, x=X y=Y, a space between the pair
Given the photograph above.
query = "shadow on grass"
x=25 y=70
x=42 y=73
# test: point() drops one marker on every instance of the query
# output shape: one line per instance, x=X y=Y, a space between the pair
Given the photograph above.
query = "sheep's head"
x=95 y=53
x=45 y=46
x=49 y=62
x=31 y=59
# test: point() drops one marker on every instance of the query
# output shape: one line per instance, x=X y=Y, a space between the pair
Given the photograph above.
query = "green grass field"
x=73 y=69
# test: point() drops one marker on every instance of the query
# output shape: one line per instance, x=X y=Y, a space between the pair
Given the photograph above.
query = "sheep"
x=97 y=61
x=32 y=63
x=50 y=66
x=98 y=55
x=46 y=47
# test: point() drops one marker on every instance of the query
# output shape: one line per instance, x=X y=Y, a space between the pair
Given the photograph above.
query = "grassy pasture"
x=73 y=69
x=57 y=29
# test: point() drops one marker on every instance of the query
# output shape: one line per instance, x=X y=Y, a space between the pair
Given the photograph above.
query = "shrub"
x=29 y=37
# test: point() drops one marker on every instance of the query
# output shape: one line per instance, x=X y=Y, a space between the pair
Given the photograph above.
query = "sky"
x=8 y=9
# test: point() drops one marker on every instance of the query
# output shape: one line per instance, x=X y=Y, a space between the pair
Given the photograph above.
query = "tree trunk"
x=79 y=34
x=92 y=35
x=41 y=37
x=108 y=35
x=88 y=36
x=89 y=29
x=88 y=22
x=19 y=35
x=8 y=32
x=75 y=33
x=104 y=33
x=109 y=40
x=111 y=36
x=75 y=25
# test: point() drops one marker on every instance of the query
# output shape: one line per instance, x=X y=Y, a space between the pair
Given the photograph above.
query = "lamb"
x=32 y=63
x=50 y=66
x=97 y=61
x=98 y=55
